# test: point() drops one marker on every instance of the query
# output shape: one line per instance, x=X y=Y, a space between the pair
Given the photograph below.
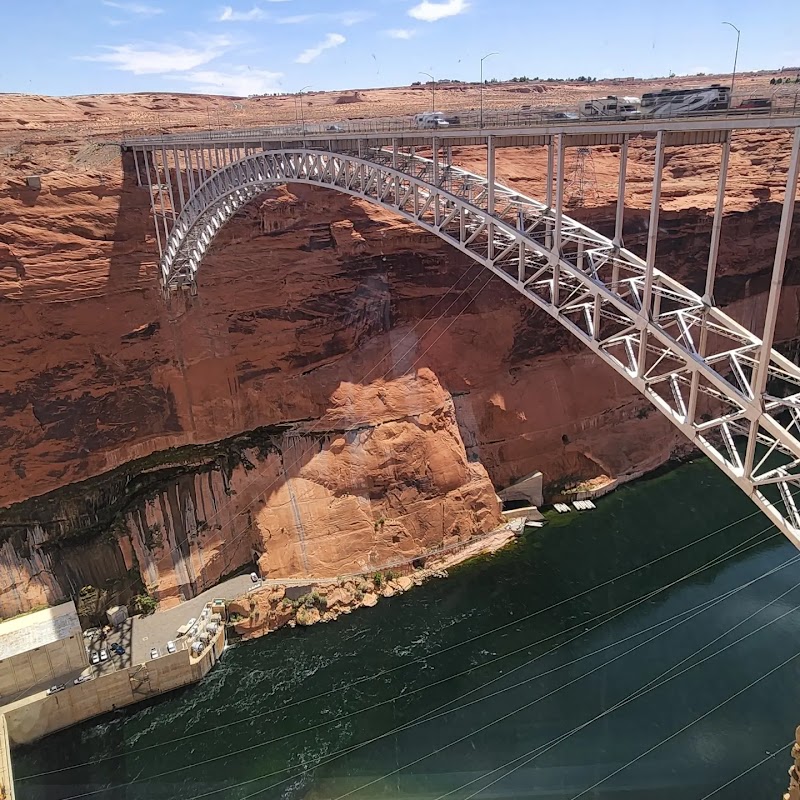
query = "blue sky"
x=65 y=47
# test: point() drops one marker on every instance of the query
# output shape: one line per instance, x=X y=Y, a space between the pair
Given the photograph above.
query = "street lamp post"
x=735 y=57
x=302 y=116
x=482 y=60
x=433 y=90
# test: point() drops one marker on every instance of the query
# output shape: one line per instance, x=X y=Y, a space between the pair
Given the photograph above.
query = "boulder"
x=308 y=616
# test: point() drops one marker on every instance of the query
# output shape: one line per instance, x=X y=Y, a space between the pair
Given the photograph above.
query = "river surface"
x=505 y=678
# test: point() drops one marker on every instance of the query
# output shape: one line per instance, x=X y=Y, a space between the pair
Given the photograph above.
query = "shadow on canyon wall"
x=134 y=244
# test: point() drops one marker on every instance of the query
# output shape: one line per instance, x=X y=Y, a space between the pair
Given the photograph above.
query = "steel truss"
x=725 y=388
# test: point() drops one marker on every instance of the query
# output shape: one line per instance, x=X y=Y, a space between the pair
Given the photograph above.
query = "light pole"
x=433 y=90
x=302 y=117
x=482 y=60
x=735 y=58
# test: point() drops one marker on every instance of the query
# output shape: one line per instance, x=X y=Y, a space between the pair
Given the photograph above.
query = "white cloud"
x=331 y=40
x=431 y=12
x=239 y=81
x=134 y=8
x=346 y=18
x=299 y=19
x=153 y=59
x=349 y=18
x=229 y=15
x=400 y=33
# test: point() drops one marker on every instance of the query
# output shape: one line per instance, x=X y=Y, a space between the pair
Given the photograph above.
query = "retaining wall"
x=6 y=775
x=29 y=720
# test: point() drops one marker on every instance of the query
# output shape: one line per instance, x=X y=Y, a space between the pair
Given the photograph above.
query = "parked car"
x=154 y=652
x=171 y=647
x=55 y=689
x=254 y=577
x=95 y=658
x=104 y=655
x=82 y=679
x=756 y=105
x=120 y=651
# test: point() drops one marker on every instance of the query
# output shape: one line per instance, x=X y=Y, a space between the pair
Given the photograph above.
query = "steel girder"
x=698 y=367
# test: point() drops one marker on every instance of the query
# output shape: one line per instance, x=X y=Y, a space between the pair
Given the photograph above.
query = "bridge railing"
x=492 y=120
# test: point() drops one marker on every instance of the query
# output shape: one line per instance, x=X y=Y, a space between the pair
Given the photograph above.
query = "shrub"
x=145 y=604
x=390 y=575
x=377 y=579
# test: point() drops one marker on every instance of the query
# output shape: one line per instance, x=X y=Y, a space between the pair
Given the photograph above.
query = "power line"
x=491 y=632
x=549 y=694
x=641 y=691
x=693 y=722
x=749 y=769
x=426 y=718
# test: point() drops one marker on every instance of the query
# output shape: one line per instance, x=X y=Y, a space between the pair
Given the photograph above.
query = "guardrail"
x=492 y=121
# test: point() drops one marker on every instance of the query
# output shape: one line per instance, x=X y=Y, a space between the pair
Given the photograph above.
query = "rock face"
x=390 y=373
x=314 y=504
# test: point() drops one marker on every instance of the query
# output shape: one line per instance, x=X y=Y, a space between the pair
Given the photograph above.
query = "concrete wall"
x=6 y=775
x=45 y=663
x=28 y=720
x=528 y=489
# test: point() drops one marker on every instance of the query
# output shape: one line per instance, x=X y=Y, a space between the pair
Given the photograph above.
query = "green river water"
x=515 y=656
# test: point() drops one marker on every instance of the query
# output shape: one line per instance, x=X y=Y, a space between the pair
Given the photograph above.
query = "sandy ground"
x=26 y=116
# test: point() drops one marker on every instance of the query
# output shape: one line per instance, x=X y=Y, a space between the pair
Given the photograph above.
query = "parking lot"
x=139 y=635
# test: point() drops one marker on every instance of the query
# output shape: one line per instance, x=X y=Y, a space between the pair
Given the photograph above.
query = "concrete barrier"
x=6 y=774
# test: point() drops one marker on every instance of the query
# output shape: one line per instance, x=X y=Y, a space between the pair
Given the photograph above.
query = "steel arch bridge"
x=731 y=394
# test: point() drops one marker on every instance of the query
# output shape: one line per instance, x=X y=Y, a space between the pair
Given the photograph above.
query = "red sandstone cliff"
x=336 y=320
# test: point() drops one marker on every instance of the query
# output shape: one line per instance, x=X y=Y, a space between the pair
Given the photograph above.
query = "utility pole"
x=433 y=90
x=302 y=117
x=482 y=60
x=735 y=58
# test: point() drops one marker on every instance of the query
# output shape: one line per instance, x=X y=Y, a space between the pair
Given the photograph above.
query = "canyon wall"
x=397 y=384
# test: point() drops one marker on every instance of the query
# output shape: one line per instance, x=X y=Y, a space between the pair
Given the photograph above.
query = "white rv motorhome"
x=680 y=102
x=610 y=106
x=431 y=119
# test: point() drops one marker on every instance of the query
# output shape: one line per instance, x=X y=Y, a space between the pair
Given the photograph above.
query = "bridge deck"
x=694 y=131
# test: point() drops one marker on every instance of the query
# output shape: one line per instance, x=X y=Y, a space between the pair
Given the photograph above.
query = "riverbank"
x=320 y=715
x=506 y=652
x=269 y=608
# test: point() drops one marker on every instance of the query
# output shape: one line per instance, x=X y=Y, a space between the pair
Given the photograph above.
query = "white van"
x=431 y=119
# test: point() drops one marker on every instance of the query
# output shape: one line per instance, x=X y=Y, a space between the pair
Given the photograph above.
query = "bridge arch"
x=695 y=364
